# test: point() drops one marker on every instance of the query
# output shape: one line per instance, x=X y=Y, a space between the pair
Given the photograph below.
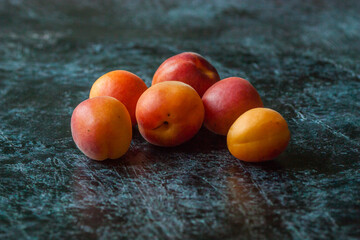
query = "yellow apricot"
x=259 y=134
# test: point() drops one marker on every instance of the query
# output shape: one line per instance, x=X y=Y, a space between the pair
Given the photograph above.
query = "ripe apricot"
x=259 y=134
x=190 y=68
x=169 y=113
x=101 y=128
x=226 y=100
x=122 y=85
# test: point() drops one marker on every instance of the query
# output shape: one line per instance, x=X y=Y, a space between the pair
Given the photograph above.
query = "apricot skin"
x=226 y=100
x=169 y=113
x=260 y=134
x=101 y=128
x=190 y=68
x=122 y=85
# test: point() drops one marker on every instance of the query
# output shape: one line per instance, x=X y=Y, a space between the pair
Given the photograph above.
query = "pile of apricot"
x=186 y=93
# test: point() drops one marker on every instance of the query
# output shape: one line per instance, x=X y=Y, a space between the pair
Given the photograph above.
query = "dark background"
x=302 y=56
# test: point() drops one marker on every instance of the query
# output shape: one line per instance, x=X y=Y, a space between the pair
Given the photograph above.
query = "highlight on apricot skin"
x=101 y=128
x=169 y=113
x=122 y=85
x=259 y=134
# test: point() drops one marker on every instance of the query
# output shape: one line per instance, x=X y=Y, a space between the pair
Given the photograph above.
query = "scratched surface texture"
x=302 y=56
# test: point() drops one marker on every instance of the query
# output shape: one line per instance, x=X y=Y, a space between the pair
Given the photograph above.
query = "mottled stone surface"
x=302 y=56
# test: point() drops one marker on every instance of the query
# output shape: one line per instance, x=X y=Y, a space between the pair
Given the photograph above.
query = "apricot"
x=122 y=85
x=226 y=100
x=190 y=68
x=101 y=128
x=169 y=113
x=259 y=134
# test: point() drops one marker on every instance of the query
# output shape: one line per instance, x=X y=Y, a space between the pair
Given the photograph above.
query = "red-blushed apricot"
x=259 y=134
x=122 y=85
x=169 y=113
x=101 y=128
x=226 y=100
x=190 y=68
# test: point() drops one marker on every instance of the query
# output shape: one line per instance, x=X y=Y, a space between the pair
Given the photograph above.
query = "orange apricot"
x=259 y=134
x=122 y=85
x=169 y=113
x=101 y=128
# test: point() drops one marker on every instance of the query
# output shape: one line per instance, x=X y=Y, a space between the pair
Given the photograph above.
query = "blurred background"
x=303 y=58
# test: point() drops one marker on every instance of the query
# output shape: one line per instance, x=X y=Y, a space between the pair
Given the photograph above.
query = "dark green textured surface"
x=302 y=57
